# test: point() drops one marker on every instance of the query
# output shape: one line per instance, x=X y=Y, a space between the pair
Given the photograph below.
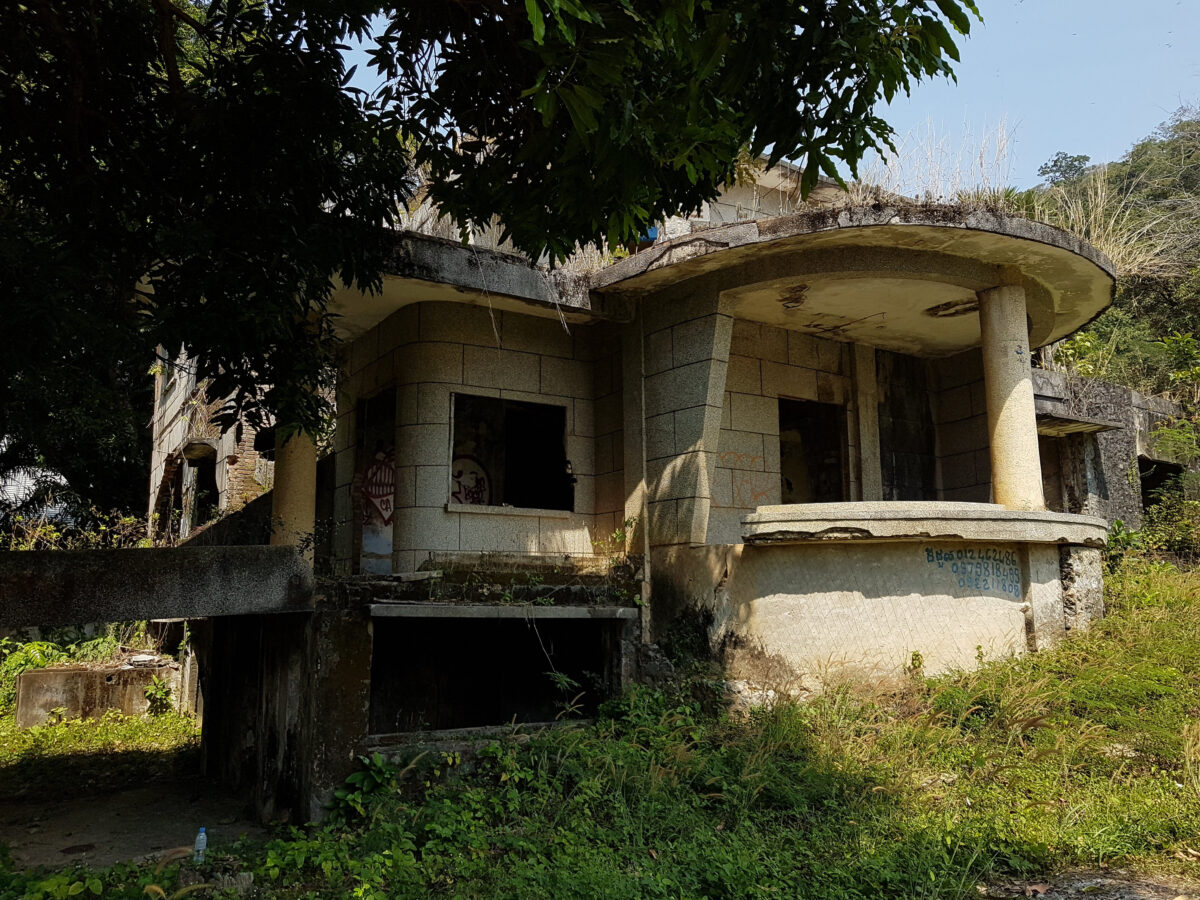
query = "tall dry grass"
x=931 y=166
x=1132 y=235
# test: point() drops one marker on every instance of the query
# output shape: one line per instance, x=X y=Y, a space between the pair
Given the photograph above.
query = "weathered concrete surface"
x=899 y=277
x=1082 y=572
x=286 y=706
x=1099 y=470
x=60 y=587
x=919 y=520
x=87 y=693
x=1008 y=382
x=827 y=612
x=425 y=268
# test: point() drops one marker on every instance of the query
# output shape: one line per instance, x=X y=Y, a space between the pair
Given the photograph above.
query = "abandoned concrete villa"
x=818 y=437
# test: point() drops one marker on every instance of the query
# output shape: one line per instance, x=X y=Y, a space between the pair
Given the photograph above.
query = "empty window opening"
x=812 y=452
x=510 y=453
x=1157 y=477
x=432 y=674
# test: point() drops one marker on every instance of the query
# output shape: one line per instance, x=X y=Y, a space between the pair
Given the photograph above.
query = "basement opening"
x=440 y=673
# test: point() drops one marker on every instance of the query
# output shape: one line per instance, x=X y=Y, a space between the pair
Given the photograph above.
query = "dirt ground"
x=1115 y=884
x=139 y=823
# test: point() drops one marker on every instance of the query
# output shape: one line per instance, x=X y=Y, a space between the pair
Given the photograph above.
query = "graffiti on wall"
x=471 y=482
x=377 y=494
x=992 y=569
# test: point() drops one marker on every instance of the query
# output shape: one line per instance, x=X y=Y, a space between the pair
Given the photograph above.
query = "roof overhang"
x=900 y=277
x=424 y=268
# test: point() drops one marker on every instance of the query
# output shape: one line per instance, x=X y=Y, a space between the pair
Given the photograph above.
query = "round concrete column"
x=1008 y=383
x=294 y=497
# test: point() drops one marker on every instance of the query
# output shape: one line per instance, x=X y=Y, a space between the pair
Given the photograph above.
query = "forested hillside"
x=1144 y=212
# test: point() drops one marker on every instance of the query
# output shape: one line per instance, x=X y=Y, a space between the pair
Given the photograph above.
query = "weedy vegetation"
x=67 y=757
x=1085 y=755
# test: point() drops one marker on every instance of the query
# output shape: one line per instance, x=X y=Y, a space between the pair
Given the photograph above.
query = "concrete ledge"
x=476 y=509
x=681 y=253
x=66 y=587
x=918 y=520
x=512 y=611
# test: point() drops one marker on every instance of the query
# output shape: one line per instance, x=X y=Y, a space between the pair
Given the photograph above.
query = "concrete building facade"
x=816 y=439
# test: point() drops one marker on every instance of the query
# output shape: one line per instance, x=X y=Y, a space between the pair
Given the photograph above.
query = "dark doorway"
x=1156 y=477
x=812 y=452
x=205 y=495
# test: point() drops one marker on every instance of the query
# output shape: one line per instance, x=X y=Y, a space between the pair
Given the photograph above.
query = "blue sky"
x=1084 y=76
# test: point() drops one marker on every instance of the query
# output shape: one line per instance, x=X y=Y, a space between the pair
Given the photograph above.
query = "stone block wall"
x=685 y=348
x=608 y=421
x=766 y=363
x=1097 y=473
x=242 y=472
x=430 y=351
x=964 y=467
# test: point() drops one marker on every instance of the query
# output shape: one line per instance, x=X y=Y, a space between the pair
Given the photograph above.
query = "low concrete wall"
x=824 y=593
x=87 y=693
x=59 y=587
x=863 y=610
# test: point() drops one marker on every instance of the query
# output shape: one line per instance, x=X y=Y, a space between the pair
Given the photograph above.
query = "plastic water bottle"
x=201 y=844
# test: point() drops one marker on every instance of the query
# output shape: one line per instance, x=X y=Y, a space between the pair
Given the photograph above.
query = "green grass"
x=73 y=757
x=83 y=756
x=1085 y=755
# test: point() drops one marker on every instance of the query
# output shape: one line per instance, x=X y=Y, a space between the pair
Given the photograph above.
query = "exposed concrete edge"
x=509 y=611
x=918 y=521
x=423 y=257
x=678 y=252
x=67 y=587
x=494 y=273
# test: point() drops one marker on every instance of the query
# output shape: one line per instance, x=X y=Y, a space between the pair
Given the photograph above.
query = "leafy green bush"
x=16 y=658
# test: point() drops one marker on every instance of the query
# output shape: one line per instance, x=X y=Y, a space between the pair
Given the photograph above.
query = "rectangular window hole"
x=510 y=453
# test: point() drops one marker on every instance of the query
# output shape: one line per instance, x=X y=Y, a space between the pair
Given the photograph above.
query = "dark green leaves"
x=602 y=117
x=200 y=174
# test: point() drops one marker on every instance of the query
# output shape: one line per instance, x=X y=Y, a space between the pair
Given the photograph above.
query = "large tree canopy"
x=197 y=175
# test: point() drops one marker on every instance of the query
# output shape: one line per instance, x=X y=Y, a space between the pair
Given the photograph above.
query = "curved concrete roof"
x=901 y=277
x=429 y=268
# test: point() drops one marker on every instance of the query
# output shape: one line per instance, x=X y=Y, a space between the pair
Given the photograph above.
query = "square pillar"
x=866 y=393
